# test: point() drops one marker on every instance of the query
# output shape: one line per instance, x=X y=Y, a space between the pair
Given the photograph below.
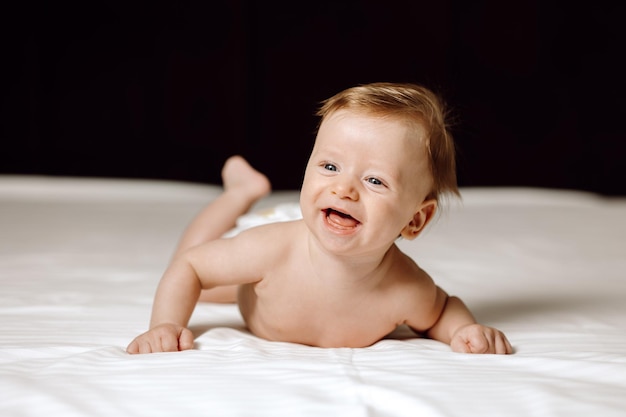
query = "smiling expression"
x=366 y=180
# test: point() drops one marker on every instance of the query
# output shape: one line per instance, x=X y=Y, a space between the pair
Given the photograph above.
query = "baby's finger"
x=145 y=346
x=185 y=340
x=479 y=343
x=168 y=343
x=459 y=345
x=502 y=345
x=132 y=348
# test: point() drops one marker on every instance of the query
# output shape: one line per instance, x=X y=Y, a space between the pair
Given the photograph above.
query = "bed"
x=80 y=259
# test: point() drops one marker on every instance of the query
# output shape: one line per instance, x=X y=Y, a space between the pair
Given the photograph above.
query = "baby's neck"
x=349 y=271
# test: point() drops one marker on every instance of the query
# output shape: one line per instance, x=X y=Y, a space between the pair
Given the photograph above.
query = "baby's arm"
x=212 y=264
x=457 y=327
x=175 y=299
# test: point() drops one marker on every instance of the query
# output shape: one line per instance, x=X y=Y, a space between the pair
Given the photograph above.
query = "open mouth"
x=340 y=220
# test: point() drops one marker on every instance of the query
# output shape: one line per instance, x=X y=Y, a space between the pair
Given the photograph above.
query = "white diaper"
x=280 y=213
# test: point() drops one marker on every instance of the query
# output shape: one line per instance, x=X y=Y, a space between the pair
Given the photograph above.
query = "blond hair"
x=415 y=104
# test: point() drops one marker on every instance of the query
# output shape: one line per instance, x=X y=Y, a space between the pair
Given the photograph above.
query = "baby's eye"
x=374 y=181
x=330 y=167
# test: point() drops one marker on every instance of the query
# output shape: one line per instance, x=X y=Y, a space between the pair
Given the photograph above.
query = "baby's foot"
x=238 y=175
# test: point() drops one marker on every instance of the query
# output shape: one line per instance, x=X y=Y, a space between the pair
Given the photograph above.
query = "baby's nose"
x=345 y=188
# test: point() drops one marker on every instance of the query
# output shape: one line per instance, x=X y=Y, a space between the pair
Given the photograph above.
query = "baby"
x=381 y=161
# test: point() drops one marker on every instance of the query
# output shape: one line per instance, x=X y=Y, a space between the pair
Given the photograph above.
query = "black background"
x=170 y=90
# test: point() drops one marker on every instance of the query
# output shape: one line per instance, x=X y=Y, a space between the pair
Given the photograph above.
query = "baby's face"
x=366 y=178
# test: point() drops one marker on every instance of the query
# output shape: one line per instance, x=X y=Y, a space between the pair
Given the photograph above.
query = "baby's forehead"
x=413 y=133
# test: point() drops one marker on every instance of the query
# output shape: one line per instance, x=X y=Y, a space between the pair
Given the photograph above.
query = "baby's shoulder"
x=281 y=227
x=406 y=272
x=272 y=236
x=410 y=287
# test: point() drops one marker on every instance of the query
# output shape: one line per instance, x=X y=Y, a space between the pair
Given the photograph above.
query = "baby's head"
x=420 y=108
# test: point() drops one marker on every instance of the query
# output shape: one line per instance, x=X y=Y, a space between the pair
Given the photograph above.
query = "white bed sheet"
x=80 y=259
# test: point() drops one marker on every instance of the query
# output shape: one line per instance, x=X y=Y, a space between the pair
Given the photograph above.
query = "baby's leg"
x=243 y=186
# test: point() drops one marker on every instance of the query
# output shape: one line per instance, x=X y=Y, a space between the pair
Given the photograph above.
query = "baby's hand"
x=476 y=338
x=162 y=338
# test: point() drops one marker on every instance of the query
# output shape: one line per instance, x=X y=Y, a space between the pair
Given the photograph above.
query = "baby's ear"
x=421 y=218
